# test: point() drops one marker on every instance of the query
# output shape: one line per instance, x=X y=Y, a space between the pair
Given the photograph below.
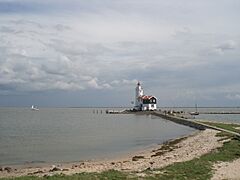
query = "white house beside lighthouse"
x=144 y=102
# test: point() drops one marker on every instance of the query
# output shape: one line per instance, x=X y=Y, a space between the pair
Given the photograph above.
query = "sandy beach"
x=227 y=170
x=183 y=149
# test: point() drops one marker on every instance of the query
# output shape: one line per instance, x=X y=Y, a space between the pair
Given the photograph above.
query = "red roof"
x=147 y=97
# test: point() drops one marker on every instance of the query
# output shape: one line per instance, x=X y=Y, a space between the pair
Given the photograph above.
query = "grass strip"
x=111 y=174
x=230 y=127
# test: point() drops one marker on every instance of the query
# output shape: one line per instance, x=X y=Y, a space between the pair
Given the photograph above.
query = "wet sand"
x=184 y=149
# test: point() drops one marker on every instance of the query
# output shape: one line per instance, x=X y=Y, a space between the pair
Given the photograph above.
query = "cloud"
x=25 y=6
x=61 y=27
x=78 y=46
x=93 y=83
x=230 y=45
x=5 y=29
x=233 y=96
x=47 y=62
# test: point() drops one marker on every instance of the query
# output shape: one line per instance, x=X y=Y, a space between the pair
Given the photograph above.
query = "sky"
x=67 y=53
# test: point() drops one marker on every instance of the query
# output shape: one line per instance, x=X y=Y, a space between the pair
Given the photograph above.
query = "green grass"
x=111 y=174
x=194 y=169
x=230 y=127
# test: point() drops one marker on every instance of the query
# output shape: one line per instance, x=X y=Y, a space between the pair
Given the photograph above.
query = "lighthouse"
x=144 y=102
x=139 y=94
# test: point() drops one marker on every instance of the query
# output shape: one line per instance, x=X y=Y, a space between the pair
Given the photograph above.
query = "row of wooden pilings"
x=96 y=111
x=108 y=111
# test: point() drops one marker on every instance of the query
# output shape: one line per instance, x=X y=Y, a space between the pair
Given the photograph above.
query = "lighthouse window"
x=153 y=100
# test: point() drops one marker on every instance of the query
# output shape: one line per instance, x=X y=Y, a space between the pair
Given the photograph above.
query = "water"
x=230 y=118
x=74 y=134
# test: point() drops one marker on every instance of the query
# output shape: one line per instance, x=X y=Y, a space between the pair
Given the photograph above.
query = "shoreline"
x=112 y=157
x=180 y=149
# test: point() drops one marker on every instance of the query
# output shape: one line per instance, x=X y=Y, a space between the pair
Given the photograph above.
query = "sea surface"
x=55 y=135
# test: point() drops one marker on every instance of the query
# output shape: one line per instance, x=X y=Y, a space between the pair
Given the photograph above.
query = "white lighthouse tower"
x=139 y=94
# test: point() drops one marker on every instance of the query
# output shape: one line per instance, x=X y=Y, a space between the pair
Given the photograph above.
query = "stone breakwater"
x=181 y=120
x=192 y=123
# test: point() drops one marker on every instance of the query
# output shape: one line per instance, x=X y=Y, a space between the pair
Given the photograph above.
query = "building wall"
x=149 y=107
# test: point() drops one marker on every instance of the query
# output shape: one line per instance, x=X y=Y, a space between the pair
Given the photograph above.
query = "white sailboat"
x=34 y=108
x=195 y=113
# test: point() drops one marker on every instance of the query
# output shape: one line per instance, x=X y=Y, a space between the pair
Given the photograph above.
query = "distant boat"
x=194 y=113
x=34 y=108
